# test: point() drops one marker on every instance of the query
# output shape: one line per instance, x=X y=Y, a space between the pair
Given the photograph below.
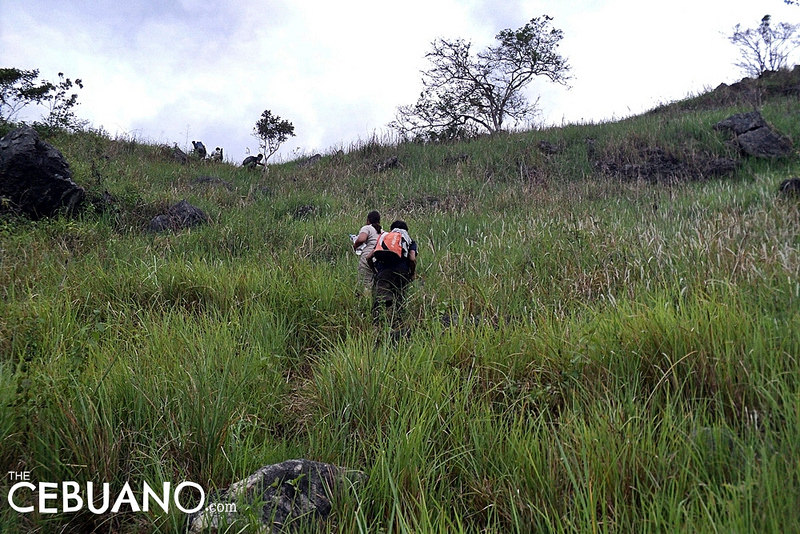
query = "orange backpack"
x=392 y=246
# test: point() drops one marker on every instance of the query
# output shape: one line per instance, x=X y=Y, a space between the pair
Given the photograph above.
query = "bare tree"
x=765 y=48
x=465 y=93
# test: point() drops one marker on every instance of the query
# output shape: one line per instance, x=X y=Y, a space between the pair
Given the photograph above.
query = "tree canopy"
x=464 y=93
x=20 y=88
x=272 y=131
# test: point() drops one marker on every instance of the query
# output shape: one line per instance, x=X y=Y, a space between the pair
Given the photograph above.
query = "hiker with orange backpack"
x=394 y=261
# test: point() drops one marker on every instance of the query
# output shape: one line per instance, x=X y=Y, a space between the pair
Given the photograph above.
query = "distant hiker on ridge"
x=199 y=149
x=251 y=162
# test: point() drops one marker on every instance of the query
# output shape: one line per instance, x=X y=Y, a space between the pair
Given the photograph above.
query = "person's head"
x=399 y=224
x=374 y=218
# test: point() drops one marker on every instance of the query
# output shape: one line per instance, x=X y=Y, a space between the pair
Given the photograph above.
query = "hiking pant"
x=388 y=297
x=366 y=276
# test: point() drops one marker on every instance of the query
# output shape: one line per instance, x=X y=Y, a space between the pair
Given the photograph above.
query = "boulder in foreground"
x=35 y=179
x=282 y=496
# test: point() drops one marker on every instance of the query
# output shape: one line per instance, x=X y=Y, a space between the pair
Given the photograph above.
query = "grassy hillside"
x=605 y=332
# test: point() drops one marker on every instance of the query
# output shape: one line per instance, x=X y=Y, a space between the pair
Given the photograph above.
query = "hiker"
x=251 y=162
x=394 y=260
x=367 y=238
x=199 y=149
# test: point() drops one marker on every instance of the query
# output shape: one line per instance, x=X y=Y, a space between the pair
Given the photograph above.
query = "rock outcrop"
x=281 y=496
x=790 y=188
x=755 y=137
x=178 y=217
x=35 y=178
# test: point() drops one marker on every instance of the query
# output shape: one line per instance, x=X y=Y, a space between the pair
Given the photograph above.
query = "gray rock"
x=764 y=142
x=282 y=496
x=34 y=176
x=790 y=187
x=309 y=161
x=742 y=122
x=755 y=137
x=179 y=216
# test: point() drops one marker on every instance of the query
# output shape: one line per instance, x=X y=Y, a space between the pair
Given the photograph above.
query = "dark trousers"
x=388 y=296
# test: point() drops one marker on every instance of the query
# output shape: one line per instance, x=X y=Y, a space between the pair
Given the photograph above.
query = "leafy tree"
x=60 y=101
x=271 y=132
x=465 y=93
x=21 y=88
x=18 y=89
x=765 y=48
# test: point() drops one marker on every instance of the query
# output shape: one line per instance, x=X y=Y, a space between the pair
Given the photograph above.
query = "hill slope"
x=604 y=330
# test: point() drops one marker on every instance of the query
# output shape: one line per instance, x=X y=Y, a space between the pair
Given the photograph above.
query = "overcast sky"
x=173 y=71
